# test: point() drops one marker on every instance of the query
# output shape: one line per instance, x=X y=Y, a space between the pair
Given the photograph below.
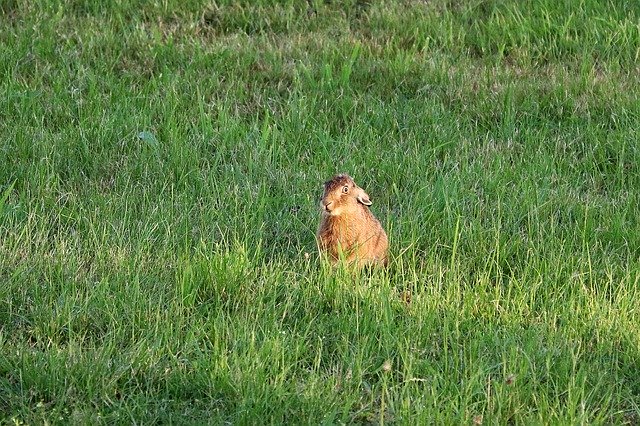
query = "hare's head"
x=341 y=195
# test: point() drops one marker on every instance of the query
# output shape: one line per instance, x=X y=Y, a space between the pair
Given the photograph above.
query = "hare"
x=348 y=230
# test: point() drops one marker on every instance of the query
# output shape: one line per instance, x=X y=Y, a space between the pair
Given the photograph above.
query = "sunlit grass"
x=160 y=168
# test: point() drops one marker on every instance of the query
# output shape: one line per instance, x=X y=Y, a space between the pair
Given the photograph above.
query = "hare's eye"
x=345 y=189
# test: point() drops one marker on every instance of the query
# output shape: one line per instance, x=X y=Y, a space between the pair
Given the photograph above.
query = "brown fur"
x=348 y=228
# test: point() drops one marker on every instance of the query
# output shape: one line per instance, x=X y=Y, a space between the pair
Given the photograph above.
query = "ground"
x=161 y=164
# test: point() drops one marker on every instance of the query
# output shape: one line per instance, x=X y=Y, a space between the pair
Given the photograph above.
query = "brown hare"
x=348 y=230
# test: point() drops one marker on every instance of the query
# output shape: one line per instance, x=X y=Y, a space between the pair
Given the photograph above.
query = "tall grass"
x=160 y=166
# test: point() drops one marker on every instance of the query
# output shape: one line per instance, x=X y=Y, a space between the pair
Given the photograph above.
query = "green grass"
x=160 y=167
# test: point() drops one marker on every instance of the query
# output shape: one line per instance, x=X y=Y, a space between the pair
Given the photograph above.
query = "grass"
x=160 y=166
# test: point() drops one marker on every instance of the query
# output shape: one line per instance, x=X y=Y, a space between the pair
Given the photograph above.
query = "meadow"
x=161 y=164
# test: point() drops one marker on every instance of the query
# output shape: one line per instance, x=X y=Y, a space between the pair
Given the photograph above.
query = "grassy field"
x=160 y=168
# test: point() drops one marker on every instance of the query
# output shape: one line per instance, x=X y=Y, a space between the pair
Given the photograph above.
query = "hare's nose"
x=327 y=204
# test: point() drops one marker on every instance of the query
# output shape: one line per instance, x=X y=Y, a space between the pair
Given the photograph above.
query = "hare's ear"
x=363 y=197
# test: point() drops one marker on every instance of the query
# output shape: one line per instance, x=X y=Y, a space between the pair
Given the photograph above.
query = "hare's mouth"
x=331 y=210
